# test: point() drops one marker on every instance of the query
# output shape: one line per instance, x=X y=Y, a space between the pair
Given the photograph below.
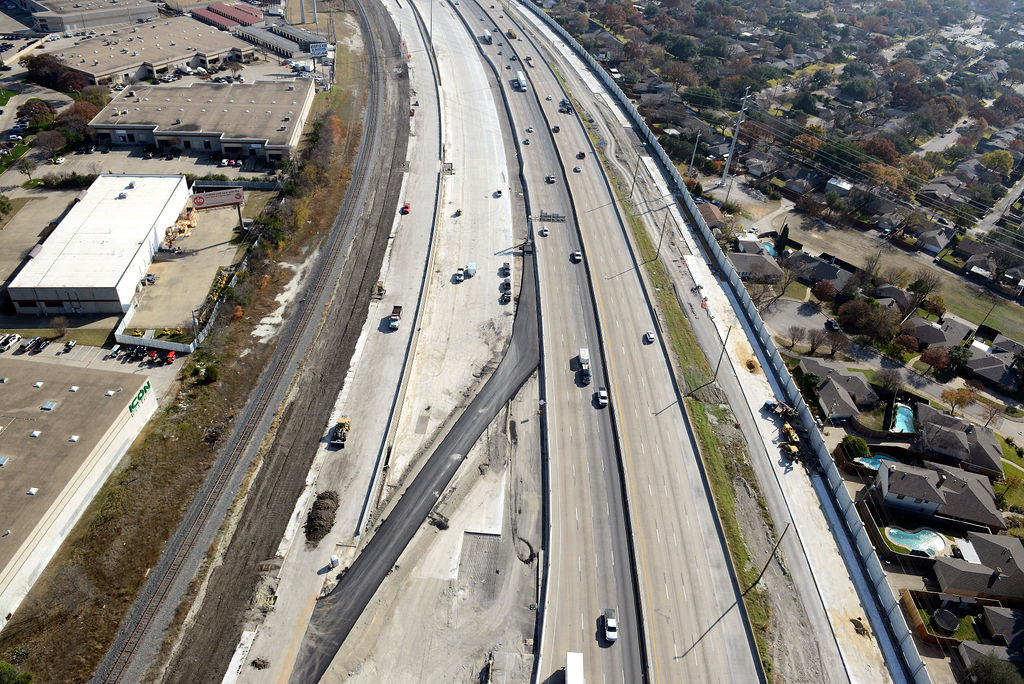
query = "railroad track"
x=280 y=362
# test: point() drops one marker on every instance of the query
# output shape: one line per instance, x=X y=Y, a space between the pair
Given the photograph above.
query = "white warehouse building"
x=95 y=258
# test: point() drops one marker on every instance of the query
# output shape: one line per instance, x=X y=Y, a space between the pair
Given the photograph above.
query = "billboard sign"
x=318 y=49
x=217 y=198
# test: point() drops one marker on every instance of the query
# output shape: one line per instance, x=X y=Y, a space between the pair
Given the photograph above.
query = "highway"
x=692 y=620
x=589 y=548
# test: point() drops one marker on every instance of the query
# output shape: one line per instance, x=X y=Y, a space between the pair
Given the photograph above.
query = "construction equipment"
x=780 y=409
x=395 y=317
x=378 y=290
x=790 y=433
x=340 y=432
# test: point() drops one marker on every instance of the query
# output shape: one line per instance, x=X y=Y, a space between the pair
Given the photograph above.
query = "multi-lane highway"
x=693 y=622
x=589 y=548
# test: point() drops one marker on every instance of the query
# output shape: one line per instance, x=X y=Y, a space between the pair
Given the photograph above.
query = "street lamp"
x=635 y=170
x=693 y=156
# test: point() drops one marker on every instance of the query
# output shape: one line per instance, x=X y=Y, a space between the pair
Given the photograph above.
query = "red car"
x=170 y=357
x=152 y=356
x=405 y=209
x=581 y=155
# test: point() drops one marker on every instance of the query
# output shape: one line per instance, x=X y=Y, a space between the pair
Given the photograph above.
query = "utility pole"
x=693 y=156
x=302 y=12
x=722 y=355
x=735 y=136
x=635 y=169
x=664 y=225
x=770 y=556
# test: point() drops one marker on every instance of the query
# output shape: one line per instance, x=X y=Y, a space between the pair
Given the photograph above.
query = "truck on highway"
x=574 y=668
x=584 y=364
x=520 y=82
x=511 y=34
x=395 y=317
x=487 y=38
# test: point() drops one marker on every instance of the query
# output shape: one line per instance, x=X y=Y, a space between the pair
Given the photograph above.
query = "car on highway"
x=405 y=209
x=544 y=232
x=649 y=337
x=548 y=98
x=581 y=155
x=529 y=129
x=576 y=169
x=513 y=58
x=611 y=625
x=497 y=193
x=555 y=129
x=549 y=179
x=601 y=397
x=526 y=141
x=576 y=257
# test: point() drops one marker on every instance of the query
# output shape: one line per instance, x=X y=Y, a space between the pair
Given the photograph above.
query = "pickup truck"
x=395 y=317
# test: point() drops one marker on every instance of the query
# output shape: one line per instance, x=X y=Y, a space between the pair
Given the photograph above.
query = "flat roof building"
x=95 y=258
x=263 y=119
x=213 y=19
x=270 y=41
x=78 y=15
x=153 y=49
x=301 y=36
x=239 y=16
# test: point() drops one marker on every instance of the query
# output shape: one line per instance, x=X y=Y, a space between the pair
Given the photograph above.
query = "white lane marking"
x=658 y=533
x=666 y=592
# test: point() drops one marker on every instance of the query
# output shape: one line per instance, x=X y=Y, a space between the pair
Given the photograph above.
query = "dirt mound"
x=321 y=516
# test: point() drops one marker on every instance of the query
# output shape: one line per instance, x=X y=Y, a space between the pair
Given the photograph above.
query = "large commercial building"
x=152 y=50
x=95 y=258
x=79 y=15
x=64 y=430
x=262 y=119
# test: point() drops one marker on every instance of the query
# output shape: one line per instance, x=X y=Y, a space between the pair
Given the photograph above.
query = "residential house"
x=840 y=186
x=796 y=181
x=895 y=295
x=971 y=652
x=935 y=240
x=940 y=491
x=815 y=269
x=1004 y=626
x=946 y=438
x=749 y=245
x=992 y=567
x=756 y=267
x=943 y=191
x=994 y=365
x=712 y=215
x=842 y=394
x=946 y=332
x=968 y=247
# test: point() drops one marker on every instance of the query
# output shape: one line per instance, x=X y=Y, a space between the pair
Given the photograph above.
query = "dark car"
x=831 y=325
x=405 y=209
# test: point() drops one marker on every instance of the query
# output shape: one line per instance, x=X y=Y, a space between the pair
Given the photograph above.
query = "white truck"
x=487 y=38
x=574 y=668
x=395 y=317
x=584 y=365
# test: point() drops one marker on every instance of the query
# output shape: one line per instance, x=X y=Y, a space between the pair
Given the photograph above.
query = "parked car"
x=405 y=209
x=42 y=344
x=69 y=345
x=9 y=341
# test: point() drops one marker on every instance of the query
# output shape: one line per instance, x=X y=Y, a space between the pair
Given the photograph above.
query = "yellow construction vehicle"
x=340 y=432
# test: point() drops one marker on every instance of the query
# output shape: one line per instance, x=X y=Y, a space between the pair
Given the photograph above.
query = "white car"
x=576 y=169
x=529 y=129
x=611 y=625
x=576 y=257
x=649 y=337
x=601 y=396
x=526 y=141
x=59 y=160
x=544 y=232
x=14 y=136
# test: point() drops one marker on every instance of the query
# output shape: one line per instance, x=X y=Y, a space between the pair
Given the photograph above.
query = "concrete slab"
x=183 y=283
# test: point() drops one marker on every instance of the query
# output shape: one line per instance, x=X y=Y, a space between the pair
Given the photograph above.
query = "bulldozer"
x=340 y=432
x=378 y=290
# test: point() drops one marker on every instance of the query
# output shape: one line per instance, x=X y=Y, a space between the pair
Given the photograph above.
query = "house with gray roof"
x=946 y=332
x=756 y=268
x=941 y=491
x=899 y=296
x=944 y=437
x=1005 y=625
x=842 y=394
x=992 y=567
x=971 y=652
x=813 y=270
x=993 y=367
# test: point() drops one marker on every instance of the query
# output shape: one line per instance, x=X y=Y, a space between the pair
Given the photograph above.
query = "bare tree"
x=50 y=142
x=991 y=411
x=870 y=268
x=796 y=335
x=922 y=285
x=816 y=338
x=26 y=166
x=837 y=341
x=889 y=378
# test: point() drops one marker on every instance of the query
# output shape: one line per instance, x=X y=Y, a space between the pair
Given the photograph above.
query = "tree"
x=50 y=142
x=11 y=675
x=957 y=397
x=936 y=357
x=815 y=338
x=999 y=161
x=98 y=96
x=958 y=356
x=702 y=97
x=1014 y=75
x=991 y=412
x=796 y=335
x=923 y=284
x=805 y=102
x=1018 y=364
x=908 y=342
x=72 y=82
x=856 y=447
x=234 y=66
x=889 y=379
x=837 y=341
x=36 y=111
x=679 y=72
x=59 y=326
x=26 y=167
x=855 y=315
x=782 y=240
x=825 y=290
x=881 y=148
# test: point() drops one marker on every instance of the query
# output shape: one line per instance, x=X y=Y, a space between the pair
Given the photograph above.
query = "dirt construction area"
x=465 y=605
x=183 y=282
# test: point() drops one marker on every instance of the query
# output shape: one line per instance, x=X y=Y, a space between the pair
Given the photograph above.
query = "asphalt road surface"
x=336 y=613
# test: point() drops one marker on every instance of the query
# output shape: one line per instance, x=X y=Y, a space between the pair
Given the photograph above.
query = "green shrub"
x=856 y=447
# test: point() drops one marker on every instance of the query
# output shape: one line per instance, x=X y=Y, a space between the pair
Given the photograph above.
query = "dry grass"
x=72 y=614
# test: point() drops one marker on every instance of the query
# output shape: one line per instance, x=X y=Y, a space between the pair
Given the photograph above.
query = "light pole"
x=693 y=156
x=722 y=355
x=664 y=225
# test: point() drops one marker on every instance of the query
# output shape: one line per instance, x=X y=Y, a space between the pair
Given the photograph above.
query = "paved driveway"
x=786 y=312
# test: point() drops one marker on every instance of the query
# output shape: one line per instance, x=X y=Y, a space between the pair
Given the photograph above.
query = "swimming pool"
x=904 y=419
x=770 y=248
x=874 y=461
x=929 y=541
